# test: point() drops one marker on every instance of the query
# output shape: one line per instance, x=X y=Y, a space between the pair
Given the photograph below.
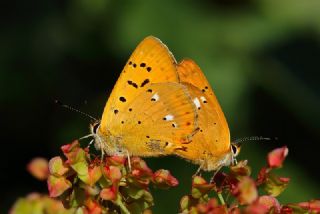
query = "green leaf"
x=82 y=171
x=57 y=167
x=275 y=185
x=57 y=185
x=185 y=203
x=134 y=192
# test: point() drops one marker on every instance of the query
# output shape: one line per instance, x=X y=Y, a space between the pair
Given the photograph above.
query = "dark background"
x=261 y=57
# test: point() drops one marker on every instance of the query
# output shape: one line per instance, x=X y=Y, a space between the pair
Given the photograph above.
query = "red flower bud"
x=108 y=194
x=163 y=178
x=277 y=156
x=246 y=191
x=38 y=167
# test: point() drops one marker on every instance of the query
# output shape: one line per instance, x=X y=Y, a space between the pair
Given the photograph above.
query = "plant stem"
x=221 y=198
x=121 y=205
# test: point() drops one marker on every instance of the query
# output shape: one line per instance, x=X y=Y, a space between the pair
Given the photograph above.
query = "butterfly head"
x=94 y=127
x=235 y=150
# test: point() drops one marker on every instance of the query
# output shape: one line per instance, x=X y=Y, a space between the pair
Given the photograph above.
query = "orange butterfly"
x=149 y=113
x=210 y=147
x=160 y=108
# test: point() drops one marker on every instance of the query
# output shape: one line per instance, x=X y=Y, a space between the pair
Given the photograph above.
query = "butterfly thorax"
x=109 y=143
x=212 y=163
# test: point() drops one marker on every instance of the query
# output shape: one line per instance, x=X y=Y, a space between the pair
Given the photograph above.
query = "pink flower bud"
x=277 y=156
x=38 y=167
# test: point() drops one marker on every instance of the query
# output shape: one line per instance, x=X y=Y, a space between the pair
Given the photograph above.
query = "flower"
x=277 y=156
x=83 y=183
x=95 y=185
x=38 y=167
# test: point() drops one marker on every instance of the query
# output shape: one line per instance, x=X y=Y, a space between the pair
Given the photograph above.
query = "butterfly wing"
x=150 y=67
x=212 y=142
x=156 y=122
x=151 y=62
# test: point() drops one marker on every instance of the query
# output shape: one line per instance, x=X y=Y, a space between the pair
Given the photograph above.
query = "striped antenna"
x=75 y=110
x=254 y=138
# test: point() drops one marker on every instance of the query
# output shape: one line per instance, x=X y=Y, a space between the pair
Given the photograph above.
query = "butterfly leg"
x=198 y=170
x=102 y=153
x=215 y=173
x=234 y=161
x=89 y=135
x=129 y=161
x=90 y=143
x=101 y=147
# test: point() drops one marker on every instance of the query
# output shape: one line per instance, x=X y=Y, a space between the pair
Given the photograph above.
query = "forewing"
x=151 y=62
x=159 y=121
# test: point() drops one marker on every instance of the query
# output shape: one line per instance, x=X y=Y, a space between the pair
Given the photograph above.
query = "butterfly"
x=159 y=107
x=210 y=147
x=148 y=113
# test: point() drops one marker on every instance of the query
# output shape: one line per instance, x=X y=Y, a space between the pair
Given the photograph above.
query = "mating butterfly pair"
x=161 y=107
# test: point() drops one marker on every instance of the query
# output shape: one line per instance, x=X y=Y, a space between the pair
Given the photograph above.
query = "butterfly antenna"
x=253 y=138
x=75 y=110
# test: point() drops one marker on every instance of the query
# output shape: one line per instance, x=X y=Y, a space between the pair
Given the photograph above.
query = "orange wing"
x=148 y=112
x=151 y=62
x=156 y=121
x=210 y=147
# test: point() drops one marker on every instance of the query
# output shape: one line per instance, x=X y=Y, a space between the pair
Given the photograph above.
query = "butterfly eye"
x=235 y=149
x=95 y=127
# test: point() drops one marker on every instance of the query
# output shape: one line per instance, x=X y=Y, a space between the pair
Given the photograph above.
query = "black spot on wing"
x=122 y=99
x=142 y=65
x=146 y=81
x=132 y=84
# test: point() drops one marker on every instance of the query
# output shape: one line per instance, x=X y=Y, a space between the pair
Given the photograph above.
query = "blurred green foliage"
x=261 y=58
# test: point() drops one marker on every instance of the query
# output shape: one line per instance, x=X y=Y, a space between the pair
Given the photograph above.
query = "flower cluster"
x=82 y=183
x=237 y=192
x=88 y=184
x=40 y=204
